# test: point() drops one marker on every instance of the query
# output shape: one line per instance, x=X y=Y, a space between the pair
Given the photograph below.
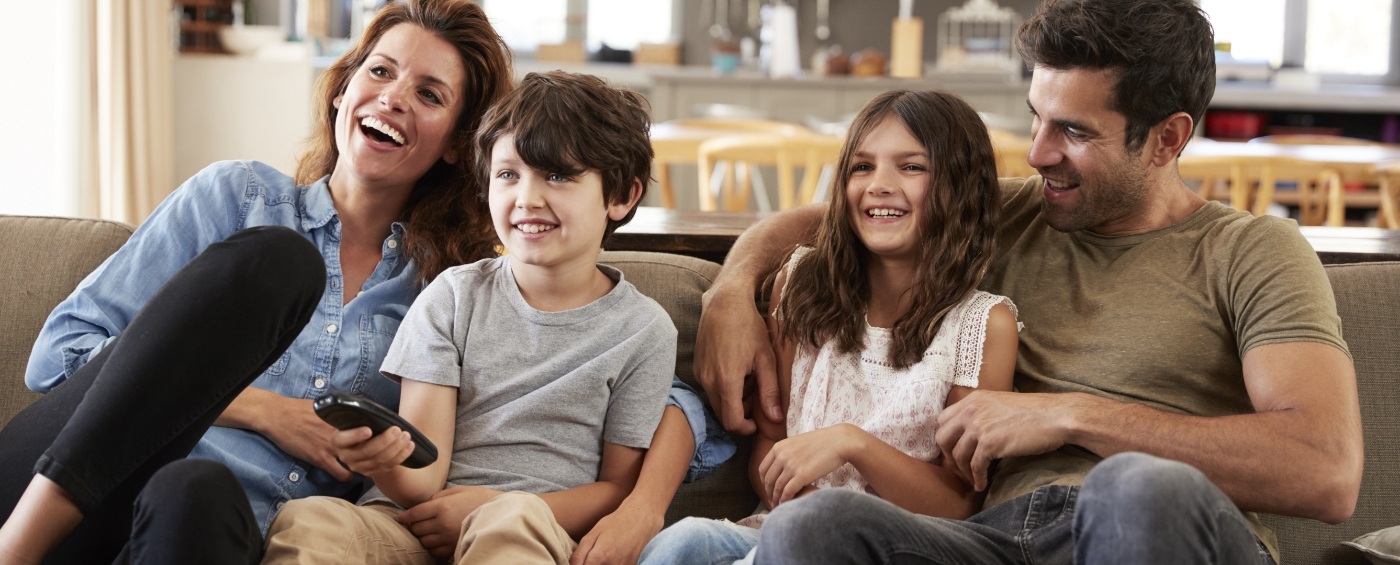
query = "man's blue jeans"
x=1132 y=508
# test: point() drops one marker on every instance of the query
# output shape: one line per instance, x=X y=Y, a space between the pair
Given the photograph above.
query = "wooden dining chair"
x=1389 y=213
x=1310 y=139
x=677 y=142
x=729 y=169
x=1011 y=151
x=1251 y=184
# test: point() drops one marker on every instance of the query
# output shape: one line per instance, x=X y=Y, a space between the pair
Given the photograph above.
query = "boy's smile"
x=547 y=219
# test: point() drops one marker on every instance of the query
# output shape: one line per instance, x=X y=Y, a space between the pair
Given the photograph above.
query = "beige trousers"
x=515 y=527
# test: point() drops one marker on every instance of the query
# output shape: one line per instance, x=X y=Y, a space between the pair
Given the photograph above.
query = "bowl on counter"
x=248 y=39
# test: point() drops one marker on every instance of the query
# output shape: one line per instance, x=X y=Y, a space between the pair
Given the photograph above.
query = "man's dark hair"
x=1163 y=52
x=568 y=123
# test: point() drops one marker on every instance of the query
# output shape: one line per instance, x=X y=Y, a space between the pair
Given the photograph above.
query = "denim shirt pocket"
x=280 y=365
x=376 y=333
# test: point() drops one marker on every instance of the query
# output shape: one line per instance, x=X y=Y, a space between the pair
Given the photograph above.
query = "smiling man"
x=1181 y=366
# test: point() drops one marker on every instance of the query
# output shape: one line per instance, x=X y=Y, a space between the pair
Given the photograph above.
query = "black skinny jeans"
x=108 y=434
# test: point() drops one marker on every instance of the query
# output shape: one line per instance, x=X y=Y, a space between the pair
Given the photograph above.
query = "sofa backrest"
x=44 y=259
x=1368 y=300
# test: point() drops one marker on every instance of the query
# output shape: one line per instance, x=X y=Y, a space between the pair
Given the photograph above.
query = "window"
x=1341 y=40
x=621 y=24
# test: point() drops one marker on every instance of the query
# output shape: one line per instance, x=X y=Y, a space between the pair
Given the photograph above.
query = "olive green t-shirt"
x=1161 y=318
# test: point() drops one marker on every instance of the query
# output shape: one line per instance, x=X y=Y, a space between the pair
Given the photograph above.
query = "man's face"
x=1092 y=181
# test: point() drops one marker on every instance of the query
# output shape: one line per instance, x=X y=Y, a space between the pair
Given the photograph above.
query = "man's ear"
x=1168 y=138
x=619 y=210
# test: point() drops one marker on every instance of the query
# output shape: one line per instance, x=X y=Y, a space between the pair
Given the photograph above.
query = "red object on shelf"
x=1230 y=124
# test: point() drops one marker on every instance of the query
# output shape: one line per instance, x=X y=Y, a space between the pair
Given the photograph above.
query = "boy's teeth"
x=381 y=127
x=533 y=228
x=885 y=213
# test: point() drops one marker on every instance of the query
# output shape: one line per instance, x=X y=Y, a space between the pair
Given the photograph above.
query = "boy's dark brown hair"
x=1163 y=52
x=569 y=123
x=828 y=292
x=447 y=224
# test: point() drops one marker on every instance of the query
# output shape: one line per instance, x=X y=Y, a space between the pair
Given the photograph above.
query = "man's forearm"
x=760 y=247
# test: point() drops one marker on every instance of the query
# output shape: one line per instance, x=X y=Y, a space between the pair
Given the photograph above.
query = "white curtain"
x=133 y=54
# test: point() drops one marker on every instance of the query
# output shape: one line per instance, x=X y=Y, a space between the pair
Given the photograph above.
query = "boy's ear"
x=619 y=210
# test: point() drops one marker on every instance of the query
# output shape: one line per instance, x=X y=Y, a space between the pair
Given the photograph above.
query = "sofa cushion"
x=44 y=259
x=1382 y=547
x=1371 y=325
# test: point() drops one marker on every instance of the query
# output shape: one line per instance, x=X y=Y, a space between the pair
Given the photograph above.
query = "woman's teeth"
x=885 y=213
x=378 y=125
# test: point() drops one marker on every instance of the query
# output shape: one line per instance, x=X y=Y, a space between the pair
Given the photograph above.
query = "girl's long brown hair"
x=448 y=222
x=828 y=292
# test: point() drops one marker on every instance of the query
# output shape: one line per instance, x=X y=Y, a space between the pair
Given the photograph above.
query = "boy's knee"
x=511 y=507
x=315 y=509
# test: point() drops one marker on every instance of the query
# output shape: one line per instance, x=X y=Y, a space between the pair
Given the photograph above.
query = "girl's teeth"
x=534 y=228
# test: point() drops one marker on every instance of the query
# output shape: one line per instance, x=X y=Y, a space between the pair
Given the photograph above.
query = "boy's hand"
x=438 y=522
x=370 y=456
x=793 y=463
x=618 y=538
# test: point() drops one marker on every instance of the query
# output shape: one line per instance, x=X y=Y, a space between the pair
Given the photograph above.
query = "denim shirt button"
x=280 y=504
x=330 y=329
x=393 y=244
x=295 y=476
x=320 y=382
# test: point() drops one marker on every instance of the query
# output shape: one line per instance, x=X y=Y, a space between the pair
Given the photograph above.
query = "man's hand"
x=990 y=425
x=293 y=426
x=618 y=538
x=438 y=522
x=795 y=462
x=733 y=355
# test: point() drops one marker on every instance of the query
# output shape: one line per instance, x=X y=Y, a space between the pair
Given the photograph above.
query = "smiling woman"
x=270 y=290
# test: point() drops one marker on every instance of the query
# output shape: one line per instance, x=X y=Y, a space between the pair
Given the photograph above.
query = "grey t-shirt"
x=539 y=392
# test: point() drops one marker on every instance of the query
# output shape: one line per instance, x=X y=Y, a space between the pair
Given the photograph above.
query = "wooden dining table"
x=709 y=235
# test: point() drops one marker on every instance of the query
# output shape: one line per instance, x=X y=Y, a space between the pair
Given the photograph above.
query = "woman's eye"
x=379 y=71
x=431 y=96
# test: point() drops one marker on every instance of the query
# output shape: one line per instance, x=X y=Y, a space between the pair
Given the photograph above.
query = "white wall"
x=39 y=172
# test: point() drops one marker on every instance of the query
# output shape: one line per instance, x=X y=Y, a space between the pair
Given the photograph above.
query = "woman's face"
x=397 y=115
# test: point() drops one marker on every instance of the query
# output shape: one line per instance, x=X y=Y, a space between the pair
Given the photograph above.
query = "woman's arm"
x=620 y=536
x=432 y=408
x=578 y=509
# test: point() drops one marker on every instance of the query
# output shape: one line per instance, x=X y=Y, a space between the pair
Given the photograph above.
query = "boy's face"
x=547 y=219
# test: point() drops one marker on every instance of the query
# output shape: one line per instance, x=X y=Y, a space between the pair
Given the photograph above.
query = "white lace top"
x=897 y=406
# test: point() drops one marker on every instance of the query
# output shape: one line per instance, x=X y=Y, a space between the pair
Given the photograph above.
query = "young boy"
x=540 y=375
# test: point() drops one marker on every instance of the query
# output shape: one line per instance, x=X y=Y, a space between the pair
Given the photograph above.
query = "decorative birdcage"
x=977 y=37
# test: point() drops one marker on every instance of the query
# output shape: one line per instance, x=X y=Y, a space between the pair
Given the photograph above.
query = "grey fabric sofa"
x=46 y=257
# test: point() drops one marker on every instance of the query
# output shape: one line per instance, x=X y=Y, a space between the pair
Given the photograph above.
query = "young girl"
x=879 y=325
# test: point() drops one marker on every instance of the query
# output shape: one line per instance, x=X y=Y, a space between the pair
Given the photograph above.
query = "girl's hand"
x=794 y=463
x=371 y=456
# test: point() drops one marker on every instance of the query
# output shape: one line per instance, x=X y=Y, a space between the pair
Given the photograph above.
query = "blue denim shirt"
x=341 y=347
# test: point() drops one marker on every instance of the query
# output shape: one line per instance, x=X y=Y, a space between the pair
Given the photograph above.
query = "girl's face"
x=889 y=179
x=397 y=114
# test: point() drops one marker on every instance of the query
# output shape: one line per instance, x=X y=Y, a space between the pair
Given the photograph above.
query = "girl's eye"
x=859 y=167
x=915 y=167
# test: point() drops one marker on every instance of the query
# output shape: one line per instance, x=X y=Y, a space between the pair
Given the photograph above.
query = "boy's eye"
x=556 y=177
x=506 y=175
